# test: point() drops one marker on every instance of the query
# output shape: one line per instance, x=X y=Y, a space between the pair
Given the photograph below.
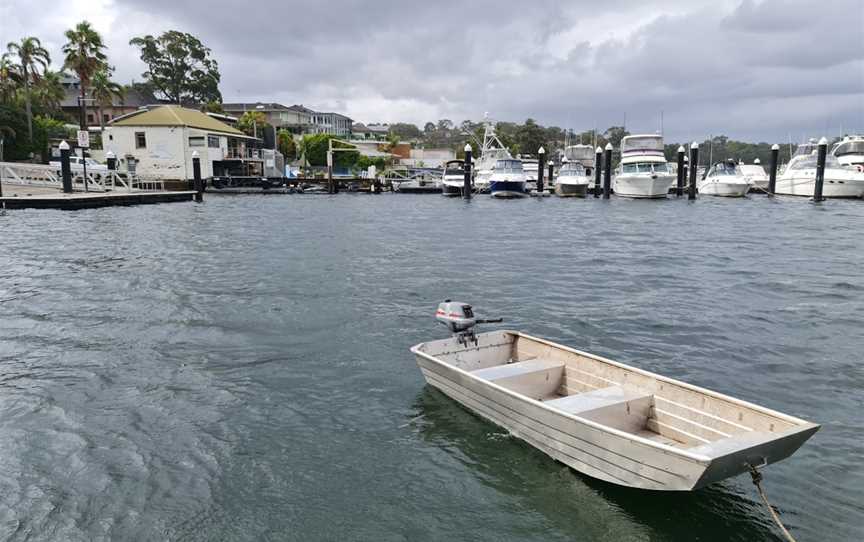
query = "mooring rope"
x=757 y=481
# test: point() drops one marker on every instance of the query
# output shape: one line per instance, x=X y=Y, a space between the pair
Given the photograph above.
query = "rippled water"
x=240 y=369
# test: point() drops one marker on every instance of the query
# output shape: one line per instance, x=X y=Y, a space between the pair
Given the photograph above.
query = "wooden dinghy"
x=605 y=419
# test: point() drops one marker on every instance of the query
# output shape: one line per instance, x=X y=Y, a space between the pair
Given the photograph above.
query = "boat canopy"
x=572 y=169
x=454 y=167
x=751 y=169
x=514 y=166
x=642 y=143
x=579 y=152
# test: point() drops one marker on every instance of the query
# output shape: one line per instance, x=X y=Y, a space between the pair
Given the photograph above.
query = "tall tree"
x=85 y=56
x=179 y=67
x=105 y=90
x=48 y=92
x=31 y=58
x=9 y=79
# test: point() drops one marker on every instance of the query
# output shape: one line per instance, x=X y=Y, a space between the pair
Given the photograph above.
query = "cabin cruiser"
x=573 y=180
x=724 y=179
x=491 y=151
x=643 y=172
x=799 y=178
x=507 y=179
x=849 y=151
x=755 y=175
x=453 y=178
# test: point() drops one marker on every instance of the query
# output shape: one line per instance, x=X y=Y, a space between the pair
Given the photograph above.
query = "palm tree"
x=48 y=91
x=105 y=90
x=84 y=56
x=9 y=79
x=31 y=56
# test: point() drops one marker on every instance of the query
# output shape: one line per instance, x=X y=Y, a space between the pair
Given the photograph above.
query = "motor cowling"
x=457 y=316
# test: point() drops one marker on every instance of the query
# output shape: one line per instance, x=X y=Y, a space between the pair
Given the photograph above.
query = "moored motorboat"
x=507 y=180
x=453 y=178
x=491 y=150
x=643 y=172
x=724 y=179
x=799 y=178
x=603 y=418
x=530 y=167
x=573 y=181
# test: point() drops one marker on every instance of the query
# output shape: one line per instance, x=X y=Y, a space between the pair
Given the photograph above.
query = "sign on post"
x=84 y=139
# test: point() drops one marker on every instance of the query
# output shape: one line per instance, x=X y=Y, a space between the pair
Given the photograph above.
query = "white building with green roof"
x=161 y=140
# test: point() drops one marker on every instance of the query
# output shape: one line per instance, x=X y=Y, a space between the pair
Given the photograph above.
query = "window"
x=90 y=118
x=197 y=141
x=213 y=142
x=140 y=140
x=106 y=117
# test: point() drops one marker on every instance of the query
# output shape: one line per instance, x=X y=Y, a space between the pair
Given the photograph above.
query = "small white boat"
x=530 y=166
x=453 y=178
x=573 y=181
x=799 y=178
x=724 y=179
x=507 y=180
x=603 y=418
x=755 y=175
x=643 y=172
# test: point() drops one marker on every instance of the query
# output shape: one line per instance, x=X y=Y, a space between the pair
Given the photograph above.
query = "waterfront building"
x=159 y=141
x=133 y=98
x=296 y=118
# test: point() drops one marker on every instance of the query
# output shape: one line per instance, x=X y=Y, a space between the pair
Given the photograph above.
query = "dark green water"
x=239 y=370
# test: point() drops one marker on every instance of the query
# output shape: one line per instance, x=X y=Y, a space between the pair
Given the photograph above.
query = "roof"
x=174 y=115
x=132 y=97
x=256 y=106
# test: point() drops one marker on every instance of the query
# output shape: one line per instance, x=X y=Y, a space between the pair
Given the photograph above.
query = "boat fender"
x=218 y=182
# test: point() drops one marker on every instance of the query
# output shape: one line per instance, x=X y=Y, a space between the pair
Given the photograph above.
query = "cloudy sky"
x=750 y=69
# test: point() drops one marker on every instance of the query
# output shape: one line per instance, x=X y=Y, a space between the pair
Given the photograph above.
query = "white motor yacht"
x=453 y=178
x=530 y=166
x=724 y=179
x=507 y=180
x=799 y=178
x=643 y=172
x=850 y=151
x=573 y=180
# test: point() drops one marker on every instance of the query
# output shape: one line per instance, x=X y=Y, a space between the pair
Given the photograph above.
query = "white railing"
x=22 y=173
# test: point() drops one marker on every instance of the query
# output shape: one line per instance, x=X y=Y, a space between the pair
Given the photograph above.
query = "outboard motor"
x=460 y=320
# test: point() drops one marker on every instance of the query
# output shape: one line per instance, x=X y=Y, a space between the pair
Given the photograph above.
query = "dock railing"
x=26 y=174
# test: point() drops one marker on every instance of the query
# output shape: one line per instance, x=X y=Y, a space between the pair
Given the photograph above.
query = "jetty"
x=17 y=196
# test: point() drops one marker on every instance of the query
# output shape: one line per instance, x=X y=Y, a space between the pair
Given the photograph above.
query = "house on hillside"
x=160 y=141
x=131 y=101
x=296 y=118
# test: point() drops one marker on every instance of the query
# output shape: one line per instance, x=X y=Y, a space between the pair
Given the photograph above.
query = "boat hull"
x=451 y=190
x=599 y=451
x=736 y=189
x=507 y=189
x=642 y=186
x=831 y=187
x=571 y=190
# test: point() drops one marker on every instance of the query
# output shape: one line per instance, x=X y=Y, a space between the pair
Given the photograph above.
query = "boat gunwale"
x=800 y=424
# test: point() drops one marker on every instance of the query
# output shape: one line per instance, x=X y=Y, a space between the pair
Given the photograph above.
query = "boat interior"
x=634 y=401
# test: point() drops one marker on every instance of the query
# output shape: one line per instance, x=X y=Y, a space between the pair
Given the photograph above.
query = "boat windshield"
x=809 y=162
x=805 y=149
x=509 y=166
x=646 y=167
x=574 y=169
x=642 y=143
x=849 y=147
x=724 y=168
